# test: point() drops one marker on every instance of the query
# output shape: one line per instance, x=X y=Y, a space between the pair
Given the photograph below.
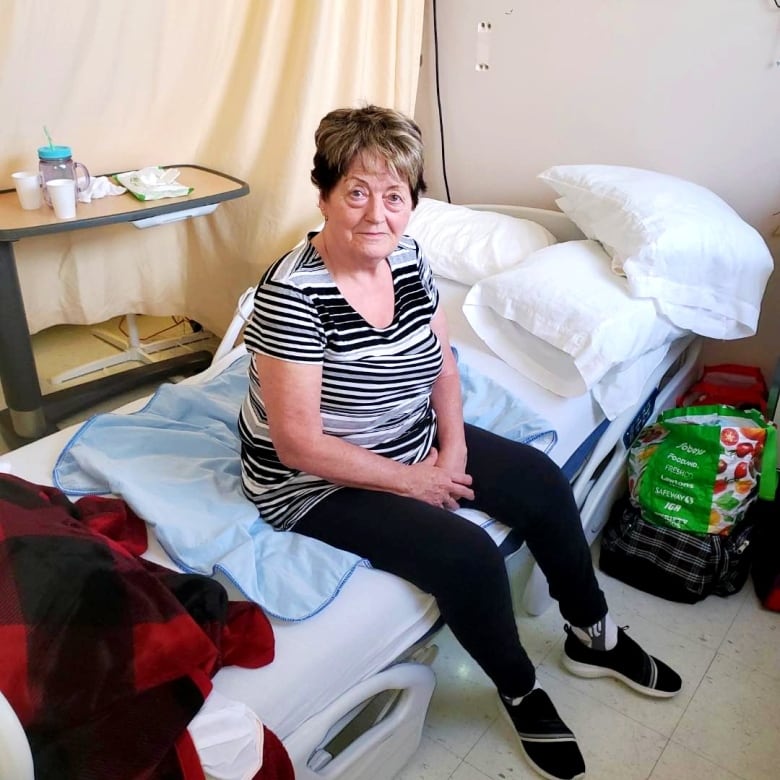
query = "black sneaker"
x=545 y=740
x=626 y=662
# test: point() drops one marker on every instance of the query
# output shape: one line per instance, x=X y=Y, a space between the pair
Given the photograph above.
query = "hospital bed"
x=350 y=685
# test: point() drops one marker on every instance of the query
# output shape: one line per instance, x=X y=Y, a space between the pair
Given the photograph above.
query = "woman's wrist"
x=452 y=455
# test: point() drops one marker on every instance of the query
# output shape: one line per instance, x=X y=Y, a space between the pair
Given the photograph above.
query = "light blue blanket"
x=176 y=463
x=488 y=405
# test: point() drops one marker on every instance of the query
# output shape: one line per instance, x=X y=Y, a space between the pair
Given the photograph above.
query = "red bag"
x=731 y=384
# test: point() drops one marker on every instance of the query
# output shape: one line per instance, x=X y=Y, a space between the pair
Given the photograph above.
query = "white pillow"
x=468 y=245
x=675 y=241
x=567 y=297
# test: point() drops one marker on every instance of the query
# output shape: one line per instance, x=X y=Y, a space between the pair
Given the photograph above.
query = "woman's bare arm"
x=448 y=403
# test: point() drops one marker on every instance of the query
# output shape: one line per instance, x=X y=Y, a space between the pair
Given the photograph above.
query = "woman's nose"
x=376 y=210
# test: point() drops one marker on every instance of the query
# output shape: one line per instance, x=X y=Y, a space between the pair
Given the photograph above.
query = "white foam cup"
x=28 y=188
x=62 y=193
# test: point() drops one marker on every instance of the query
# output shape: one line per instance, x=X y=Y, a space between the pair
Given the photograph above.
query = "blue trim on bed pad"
x=579 y=457
x=176 y=462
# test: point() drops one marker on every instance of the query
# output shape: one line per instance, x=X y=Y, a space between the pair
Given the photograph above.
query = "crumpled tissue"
x=98 y=187
x=153 y=182
x=228 y=738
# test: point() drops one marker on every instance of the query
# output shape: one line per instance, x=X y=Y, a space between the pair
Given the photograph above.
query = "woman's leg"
x=522 y=488
x=458 y=563
x=442 y=554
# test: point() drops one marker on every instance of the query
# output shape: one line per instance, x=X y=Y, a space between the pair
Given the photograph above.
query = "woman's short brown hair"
x=346 y=133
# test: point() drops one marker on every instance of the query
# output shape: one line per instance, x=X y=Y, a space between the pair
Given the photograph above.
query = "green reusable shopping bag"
x=698 y=468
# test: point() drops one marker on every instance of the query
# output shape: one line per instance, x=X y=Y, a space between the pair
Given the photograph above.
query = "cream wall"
x=687 y=87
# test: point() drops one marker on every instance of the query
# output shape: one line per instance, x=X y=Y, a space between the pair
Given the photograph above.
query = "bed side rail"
x=382 y=749
x=240 y=318
x=603 y=478
x=627 y=426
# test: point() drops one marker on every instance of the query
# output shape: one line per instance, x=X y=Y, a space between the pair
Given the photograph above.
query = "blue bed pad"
x=176 y=463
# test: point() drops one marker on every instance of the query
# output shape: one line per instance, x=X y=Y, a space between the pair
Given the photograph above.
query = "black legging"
x=456 y=561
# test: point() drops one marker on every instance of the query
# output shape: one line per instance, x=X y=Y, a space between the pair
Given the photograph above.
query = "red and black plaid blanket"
x=106 y=657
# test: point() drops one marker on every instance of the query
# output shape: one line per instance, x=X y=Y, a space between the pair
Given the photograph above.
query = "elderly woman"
x=352 y=433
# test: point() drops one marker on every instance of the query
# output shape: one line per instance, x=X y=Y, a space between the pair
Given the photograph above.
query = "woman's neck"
x=367 y=286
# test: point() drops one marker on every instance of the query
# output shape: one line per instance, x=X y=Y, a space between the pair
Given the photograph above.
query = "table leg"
x=33 y=415
x=18 y=374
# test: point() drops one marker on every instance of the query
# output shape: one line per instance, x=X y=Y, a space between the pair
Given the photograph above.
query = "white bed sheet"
x=574 y=419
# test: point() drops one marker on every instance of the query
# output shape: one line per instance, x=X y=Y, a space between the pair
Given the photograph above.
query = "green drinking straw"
x=46 y=131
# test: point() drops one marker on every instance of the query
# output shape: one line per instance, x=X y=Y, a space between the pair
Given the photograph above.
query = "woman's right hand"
x=436 y=486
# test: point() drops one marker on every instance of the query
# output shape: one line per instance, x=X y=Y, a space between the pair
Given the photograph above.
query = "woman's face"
x=367 y=211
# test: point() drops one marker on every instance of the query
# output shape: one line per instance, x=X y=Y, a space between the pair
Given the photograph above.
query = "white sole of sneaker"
x=587 y=670
x=502 y=711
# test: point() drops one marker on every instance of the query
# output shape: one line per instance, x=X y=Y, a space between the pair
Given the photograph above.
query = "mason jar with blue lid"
x=56 y=162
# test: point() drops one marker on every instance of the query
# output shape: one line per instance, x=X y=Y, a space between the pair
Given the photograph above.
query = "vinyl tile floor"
x=724 y=725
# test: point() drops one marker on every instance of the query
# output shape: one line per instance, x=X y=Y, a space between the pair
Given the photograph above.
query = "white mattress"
x=574 y=419
x=317 y=659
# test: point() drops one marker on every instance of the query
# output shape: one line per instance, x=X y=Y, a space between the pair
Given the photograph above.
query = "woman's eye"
x=395 y=198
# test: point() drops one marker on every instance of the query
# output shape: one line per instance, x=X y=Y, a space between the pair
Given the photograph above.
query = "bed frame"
x=374 y=727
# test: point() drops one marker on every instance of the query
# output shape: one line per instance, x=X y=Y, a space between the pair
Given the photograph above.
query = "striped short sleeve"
x=285 y=324
x=426 y=277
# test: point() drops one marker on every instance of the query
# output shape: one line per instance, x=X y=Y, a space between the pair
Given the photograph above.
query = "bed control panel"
x=641 y=419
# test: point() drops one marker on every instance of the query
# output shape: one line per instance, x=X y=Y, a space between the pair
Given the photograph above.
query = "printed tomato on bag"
x=699 y=468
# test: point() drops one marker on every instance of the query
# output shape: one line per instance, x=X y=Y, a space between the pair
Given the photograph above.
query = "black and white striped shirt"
x=376 y=382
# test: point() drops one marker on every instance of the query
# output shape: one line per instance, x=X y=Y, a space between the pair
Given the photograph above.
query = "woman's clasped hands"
x=434 y=482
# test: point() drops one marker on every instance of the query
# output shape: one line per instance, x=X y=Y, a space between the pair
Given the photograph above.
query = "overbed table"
x=31 y=414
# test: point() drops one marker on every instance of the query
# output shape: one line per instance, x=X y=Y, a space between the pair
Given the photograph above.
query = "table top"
x=209 y=187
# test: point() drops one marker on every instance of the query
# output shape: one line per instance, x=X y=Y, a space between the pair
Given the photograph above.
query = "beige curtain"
x=238 y=86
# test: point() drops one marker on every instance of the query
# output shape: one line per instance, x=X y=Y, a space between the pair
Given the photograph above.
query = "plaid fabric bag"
x=675 y=565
